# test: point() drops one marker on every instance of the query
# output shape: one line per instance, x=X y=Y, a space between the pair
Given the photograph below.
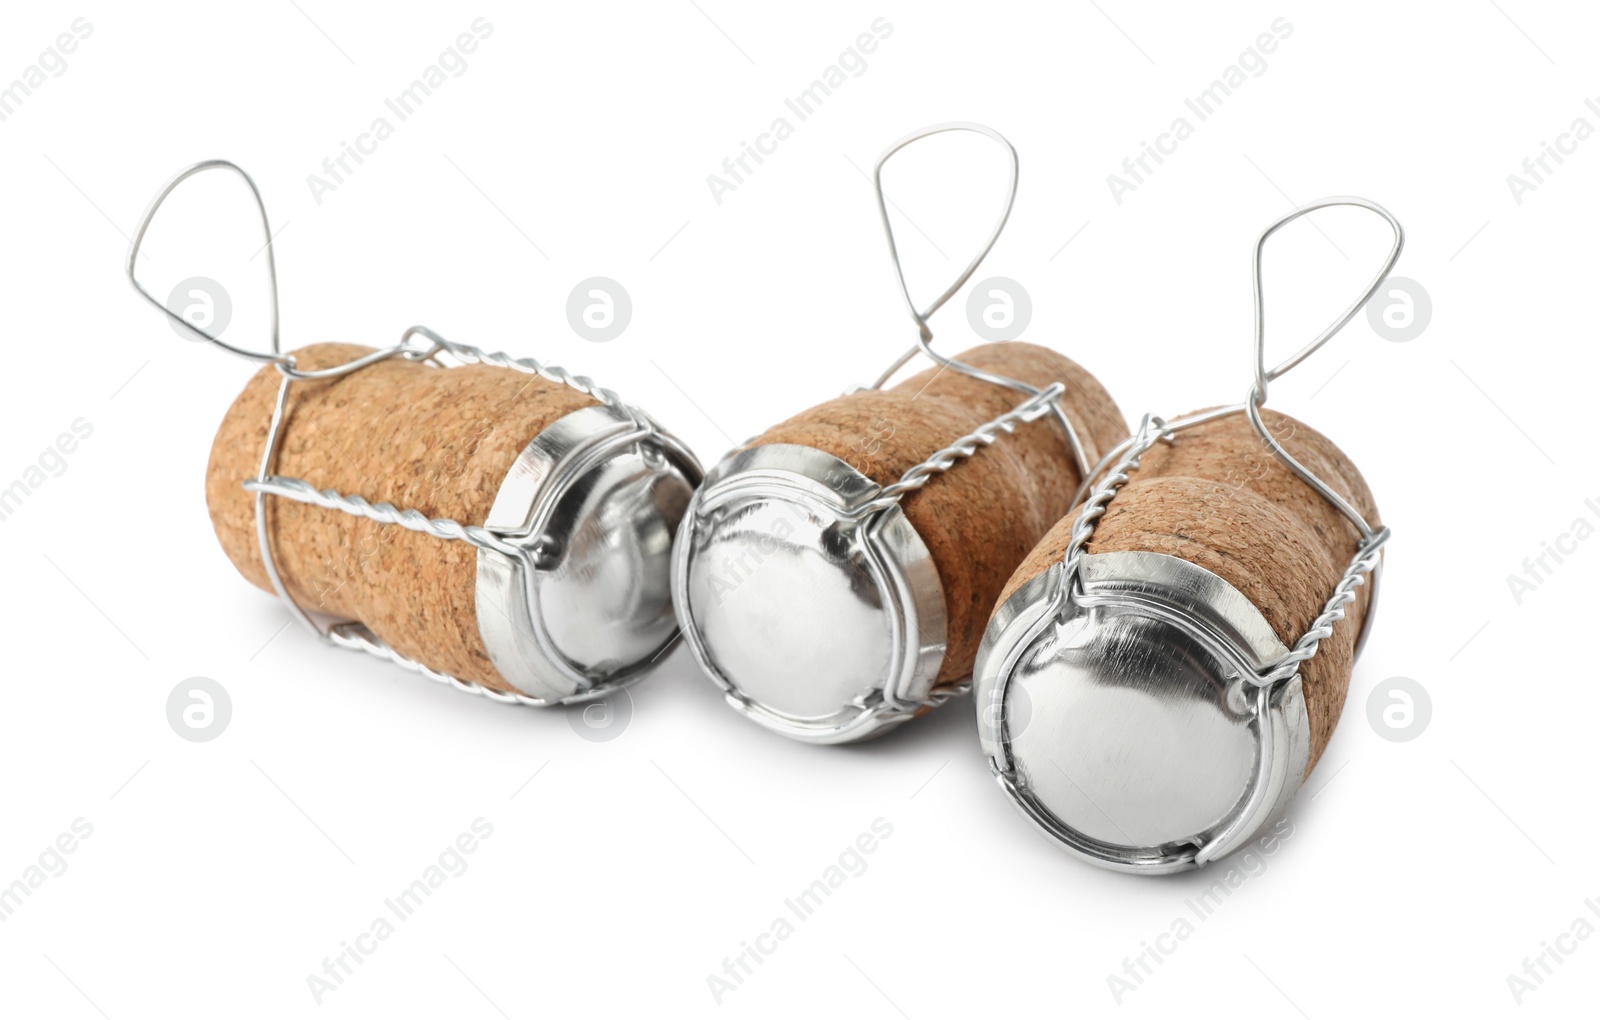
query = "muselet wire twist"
x=520 y=541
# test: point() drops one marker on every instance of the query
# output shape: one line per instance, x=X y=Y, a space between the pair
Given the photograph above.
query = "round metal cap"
x=594 y=500
x=820 y=617
x=1124 y=720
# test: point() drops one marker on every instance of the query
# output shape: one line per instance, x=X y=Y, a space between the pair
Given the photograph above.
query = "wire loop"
x=920 y=317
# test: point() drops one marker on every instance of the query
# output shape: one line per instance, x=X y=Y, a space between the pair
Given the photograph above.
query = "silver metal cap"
x=595 y=500
x=820 y=617
x=1123 y=720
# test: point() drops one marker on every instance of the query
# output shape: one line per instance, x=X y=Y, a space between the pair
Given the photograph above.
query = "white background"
x=577 y=143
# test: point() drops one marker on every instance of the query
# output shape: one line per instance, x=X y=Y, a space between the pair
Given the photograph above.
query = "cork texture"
x=1218 y=497
x=980 y=519
x=437 y=440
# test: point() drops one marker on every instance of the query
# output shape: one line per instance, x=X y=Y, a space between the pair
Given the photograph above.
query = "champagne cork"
x=1164 y=751
x=589 y=605
x=828 y=626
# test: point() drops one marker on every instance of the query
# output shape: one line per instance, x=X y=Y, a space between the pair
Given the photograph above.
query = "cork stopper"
x=785 y=632
x=1218 y=497
x=442 y=441
x=1119 y=714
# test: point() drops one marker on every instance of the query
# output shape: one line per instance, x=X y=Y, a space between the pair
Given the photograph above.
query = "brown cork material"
x=979 y=519
x=1218 y=497
x=436 y=440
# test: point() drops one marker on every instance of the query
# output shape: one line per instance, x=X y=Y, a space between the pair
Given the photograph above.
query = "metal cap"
x=595 y=500
x=820 y=617
x=1123 y=718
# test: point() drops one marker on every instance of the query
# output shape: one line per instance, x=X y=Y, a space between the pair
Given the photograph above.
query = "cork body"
x=437 y=440
x=980 y=519
x=1218 y=497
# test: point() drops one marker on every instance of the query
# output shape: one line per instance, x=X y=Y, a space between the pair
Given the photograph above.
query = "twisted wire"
x=967 y=446
x=358 y=638
x=895 y=710
x=949 y=692
x=302 y=491
x=554 y=373
x=1152 y=430
x=1344 y=593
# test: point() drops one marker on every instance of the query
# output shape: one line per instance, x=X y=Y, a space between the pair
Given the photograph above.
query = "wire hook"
x=1263 y=375
x=924 y=332
x=921 y=318
x=276 y=355
x=1258 y=389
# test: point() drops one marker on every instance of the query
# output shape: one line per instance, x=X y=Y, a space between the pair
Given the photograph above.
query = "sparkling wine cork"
x=829 y=626
x=478 y=445
x=1157 y=748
